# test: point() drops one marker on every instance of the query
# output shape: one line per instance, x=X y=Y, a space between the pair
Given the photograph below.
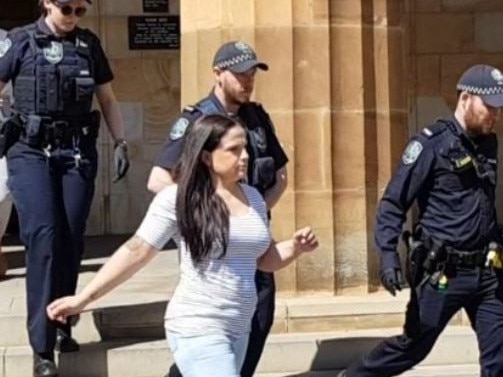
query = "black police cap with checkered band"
x=237 y=57
x=485 y=81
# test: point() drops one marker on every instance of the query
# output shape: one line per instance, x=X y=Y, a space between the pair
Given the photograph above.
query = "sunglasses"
x=68 y=10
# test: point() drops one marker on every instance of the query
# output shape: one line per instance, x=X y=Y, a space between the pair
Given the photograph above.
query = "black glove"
x=391 y=279
x=121 y=160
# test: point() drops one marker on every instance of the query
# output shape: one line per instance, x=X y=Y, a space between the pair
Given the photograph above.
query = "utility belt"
x=466 y=259
x=428 y=259
x=49 y=132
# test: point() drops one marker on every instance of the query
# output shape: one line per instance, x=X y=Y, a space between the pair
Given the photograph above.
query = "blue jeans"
x=214 y=355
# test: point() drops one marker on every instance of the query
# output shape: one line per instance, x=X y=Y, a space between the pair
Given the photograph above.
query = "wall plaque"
x=155 y=6
x=154 y=32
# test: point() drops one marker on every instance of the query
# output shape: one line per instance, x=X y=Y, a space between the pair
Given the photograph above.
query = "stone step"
x=284 y=355
x=123 y=316
x=136 y=310
x=461 y=370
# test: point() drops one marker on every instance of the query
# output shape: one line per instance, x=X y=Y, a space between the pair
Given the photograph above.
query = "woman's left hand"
x=304 y=240
x=60 y=309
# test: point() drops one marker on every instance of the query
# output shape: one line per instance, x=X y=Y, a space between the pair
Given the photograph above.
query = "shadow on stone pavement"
x=135 y=321
x=334 y=355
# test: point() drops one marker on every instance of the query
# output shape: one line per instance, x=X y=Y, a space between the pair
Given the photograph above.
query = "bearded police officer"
x=234 y=66
x=50 y=144
x=454 y=258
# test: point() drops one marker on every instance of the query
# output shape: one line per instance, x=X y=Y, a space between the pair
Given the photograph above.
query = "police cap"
x=485 y=81
x=238 y=57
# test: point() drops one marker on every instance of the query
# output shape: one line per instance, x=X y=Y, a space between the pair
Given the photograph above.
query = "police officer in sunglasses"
x=50 y=143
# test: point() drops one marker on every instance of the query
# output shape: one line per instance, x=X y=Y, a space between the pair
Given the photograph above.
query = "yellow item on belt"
x=443 y=283
x=494 y=259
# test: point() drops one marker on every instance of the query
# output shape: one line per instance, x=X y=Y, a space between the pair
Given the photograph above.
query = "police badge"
x=241 y=46
x=54 y=53
x=497 y=76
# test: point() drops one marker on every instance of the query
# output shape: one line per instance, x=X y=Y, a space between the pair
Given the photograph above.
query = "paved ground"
x=155 y=283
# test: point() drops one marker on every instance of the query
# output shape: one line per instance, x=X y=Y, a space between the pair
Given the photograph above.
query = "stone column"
x=313 y=144
x=368 y=109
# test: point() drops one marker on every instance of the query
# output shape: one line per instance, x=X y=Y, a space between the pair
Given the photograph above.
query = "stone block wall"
x=147 y=86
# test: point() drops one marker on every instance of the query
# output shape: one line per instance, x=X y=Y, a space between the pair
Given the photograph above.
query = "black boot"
x=43 y=365
x=173 y=372
x=65 y=343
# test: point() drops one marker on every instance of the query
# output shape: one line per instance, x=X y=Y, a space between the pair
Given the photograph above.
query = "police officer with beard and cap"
x=234 y=66
x=50 y=144
x=454 y=257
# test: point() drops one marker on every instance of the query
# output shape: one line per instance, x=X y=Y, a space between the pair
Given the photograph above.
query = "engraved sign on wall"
x=155 y=6
x=154 y=32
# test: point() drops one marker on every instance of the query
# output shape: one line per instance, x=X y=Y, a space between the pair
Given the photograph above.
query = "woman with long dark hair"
x=222 y=230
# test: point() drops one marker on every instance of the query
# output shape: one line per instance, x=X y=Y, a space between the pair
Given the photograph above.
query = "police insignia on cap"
x=54 y=53
x=497 y=76
x=179 y=128
x=5 y=45
x=241 y=46
x=412 y=152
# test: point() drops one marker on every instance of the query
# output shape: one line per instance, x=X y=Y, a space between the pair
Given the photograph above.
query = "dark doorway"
x=17 y=12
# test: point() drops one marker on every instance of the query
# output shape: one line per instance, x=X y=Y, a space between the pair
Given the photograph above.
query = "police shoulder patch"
x=5 y=45
x=179 y=128
x=412 y=152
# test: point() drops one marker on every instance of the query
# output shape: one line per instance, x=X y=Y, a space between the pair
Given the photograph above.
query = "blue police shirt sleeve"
x=172 y=148
x=410 y=178
x=11 y=48
x=489 y=149
x=170 y=154
x=102 y=71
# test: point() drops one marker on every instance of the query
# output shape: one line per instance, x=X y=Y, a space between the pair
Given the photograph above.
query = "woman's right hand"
x=60 y=309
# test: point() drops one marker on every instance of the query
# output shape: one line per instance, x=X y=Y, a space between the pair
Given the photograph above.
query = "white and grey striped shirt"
x=217 y=295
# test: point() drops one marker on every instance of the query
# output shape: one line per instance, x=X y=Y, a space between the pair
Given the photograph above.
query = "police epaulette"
x=434 y=129
x=189 y=109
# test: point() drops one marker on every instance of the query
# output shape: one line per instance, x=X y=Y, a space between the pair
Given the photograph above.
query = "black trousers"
x=260 y=327
x=53 y=198
x=477 y=290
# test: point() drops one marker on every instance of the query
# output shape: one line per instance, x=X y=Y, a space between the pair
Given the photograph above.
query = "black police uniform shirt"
x=453 y=178
x=16 y=54
x=172 y=149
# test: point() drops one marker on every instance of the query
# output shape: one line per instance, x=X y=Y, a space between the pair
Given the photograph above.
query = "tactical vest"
x=60 y=81
x=262 y=172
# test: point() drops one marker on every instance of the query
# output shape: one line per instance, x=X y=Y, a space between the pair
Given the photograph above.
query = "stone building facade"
x=349 y=82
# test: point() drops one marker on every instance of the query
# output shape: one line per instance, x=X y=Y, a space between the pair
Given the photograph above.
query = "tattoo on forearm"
x=134 y=243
